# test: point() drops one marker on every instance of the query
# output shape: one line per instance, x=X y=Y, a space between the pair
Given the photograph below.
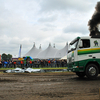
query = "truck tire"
x=80 y=74
x=92 y=71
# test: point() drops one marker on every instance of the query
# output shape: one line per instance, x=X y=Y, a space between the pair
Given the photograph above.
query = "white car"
x=30 y=70
x=16 y=70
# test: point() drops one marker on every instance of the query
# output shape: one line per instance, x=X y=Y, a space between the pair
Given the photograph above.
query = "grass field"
x=37 y=68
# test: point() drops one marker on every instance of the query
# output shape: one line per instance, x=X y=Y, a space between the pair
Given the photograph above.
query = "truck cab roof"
x=77 y=38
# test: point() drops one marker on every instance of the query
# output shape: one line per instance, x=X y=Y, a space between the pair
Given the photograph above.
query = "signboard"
x=20 y=59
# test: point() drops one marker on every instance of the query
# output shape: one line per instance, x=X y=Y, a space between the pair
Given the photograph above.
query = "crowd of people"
x=33 y=64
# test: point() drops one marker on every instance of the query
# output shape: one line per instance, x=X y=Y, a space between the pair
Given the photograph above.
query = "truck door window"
x=86 y=43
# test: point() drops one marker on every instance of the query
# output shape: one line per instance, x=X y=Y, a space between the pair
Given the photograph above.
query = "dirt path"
x=48 y=86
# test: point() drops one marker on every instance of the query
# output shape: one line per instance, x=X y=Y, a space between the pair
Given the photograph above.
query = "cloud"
x=51 y=5
x=76 y=28
x=48 y=19
x=42 y=21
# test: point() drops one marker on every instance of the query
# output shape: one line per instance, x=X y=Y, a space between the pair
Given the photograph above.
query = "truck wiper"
x=72 y=49
x=69 y=51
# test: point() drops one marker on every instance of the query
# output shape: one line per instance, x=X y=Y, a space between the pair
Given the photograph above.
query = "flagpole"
x=19 y=56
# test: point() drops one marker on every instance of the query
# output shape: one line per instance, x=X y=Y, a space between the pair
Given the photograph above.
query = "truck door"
x=83 y=52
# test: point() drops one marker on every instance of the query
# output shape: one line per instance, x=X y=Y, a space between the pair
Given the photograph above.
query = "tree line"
x=6 y=57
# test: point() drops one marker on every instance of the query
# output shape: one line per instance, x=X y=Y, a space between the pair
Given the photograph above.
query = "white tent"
x=62 y=52
x=33 y=52
x=64 y=57
x=48 y=53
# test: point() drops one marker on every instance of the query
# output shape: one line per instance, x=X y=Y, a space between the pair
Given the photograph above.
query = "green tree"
x=6 y=57
x=9 y=56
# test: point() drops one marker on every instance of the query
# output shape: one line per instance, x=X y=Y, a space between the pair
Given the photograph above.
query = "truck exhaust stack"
x=94 y=22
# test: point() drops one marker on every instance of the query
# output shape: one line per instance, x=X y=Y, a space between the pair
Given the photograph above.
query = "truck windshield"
x=72 y=46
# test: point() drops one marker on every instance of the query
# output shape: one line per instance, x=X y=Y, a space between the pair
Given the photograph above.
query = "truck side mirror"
x=80 y=44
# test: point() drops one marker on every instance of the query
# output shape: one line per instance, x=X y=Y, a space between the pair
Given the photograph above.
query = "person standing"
x=0 y=64
x=30 y=62
x=14 y=63
x=22 y=63
x=54 y=63
x=42 y=63
x=49 y=62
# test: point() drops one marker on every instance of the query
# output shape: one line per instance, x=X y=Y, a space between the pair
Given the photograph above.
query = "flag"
x=19 y=56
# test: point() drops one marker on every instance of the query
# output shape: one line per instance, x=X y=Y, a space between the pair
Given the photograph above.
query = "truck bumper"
x=76 y=69
x=73 y=69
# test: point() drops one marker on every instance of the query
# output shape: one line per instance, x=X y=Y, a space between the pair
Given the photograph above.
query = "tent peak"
x=66 y=43
x=34 y=44
x=54 y=45
x=40 y=46
x=49 y=44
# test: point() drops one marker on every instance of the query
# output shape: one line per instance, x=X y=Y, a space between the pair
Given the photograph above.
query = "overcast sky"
x=43 y=22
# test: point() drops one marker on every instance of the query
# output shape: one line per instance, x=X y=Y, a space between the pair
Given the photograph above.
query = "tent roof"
x=33 y=52
x=62 y=52
x=64 y=57
x=47 y=53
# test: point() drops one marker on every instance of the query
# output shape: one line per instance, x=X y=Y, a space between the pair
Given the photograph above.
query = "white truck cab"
x=83 y=56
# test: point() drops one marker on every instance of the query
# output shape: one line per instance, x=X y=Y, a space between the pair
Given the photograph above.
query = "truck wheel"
x=92 y=71
x=80 y=74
